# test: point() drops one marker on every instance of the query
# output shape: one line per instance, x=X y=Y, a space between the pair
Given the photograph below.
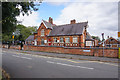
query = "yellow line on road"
x=72 y=60
x=109 y=64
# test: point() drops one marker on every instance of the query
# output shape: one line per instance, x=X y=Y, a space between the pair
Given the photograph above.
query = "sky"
x=102 y=16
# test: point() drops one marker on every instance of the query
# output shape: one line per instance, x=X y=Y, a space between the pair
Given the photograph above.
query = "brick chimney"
x=73 y=21
x=50 y=20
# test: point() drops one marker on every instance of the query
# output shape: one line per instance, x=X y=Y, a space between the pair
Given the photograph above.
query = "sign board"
x=86 y=50
x=13 y=36
x=45 y=41
x=58 y=41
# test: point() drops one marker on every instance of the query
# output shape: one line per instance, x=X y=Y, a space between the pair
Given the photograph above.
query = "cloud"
x=101 y=16
x=31 y=20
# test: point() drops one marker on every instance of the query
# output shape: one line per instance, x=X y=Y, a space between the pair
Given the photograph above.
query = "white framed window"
x=67 y=40
x=61 y=40
x=89 y=43
x=75 y=40
x=55 y=40
x=42 y=32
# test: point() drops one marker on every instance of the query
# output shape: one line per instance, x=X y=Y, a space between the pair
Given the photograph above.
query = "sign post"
x=13 y=37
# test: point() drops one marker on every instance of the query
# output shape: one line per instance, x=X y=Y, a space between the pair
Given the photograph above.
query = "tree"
x=9 y=12
x=25 y=32
x=96 y=37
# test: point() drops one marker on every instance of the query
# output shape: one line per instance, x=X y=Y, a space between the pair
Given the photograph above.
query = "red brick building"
x=111 y=42
x=71 y=35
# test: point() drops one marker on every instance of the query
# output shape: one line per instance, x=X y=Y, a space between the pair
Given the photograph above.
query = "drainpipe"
x=79 y=41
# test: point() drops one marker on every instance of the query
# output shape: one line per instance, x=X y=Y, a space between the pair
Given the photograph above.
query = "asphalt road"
x=20 y=65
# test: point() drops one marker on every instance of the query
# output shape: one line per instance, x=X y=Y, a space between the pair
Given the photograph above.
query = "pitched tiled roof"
x=30 y=38
x=47 y=24
x=88 y=36
x=69 y=29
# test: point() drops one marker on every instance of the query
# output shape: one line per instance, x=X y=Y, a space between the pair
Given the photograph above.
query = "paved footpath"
x=71 y=56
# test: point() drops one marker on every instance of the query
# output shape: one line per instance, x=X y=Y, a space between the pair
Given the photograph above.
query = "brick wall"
x=108 y=52
x=15 y=47
x=12 y=46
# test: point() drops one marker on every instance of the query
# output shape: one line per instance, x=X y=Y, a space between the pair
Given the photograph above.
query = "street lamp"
x=103 y=43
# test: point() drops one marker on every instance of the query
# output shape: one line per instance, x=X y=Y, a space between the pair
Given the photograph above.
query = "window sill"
x=75 y=42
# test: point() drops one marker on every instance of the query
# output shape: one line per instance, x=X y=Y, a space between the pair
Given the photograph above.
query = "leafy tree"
x=25 y=32
x=10 y=10
x=96 y=37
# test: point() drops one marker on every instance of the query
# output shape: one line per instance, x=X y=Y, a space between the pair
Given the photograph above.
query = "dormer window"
x=42 y=32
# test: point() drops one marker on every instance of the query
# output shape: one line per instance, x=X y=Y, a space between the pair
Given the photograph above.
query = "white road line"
x=50 y=62
x=22 y=57
x=70 y=65
x=15 y=56
x=26 y=58
x=3 y=51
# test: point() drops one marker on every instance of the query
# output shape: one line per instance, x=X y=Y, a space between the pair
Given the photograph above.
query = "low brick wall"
x=4 y=46
x=108 y=52
x=15 y=47
x=11 y=46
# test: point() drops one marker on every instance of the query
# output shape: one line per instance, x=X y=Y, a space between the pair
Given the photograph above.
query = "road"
x=21 y=65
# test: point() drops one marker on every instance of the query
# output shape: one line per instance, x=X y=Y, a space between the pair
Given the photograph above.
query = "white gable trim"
x=44 y=23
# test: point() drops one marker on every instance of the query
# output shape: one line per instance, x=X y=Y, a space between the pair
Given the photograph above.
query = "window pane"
x=55 y=39
x=61 y=39
x=67 y=40
x=75 y=40
x=42 y=32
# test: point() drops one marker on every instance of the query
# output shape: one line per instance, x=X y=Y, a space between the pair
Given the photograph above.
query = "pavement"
x=21 y=65
x=71 y=56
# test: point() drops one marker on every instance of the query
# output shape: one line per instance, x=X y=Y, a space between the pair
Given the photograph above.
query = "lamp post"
x=103 y=43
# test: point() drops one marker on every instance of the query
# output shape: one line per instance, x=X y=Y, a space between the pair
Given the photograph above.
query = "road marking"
x=15 y=56
x=74 y=61
x=29 y=67
x=50 y=62
x=69 y=65
x=65 y=59
x=22 y=57
x=109 y=64
x=3 y=51
x=26 y=58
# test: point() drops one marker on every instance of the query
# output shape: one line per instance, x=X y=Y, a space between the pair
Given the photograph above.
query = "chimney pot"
x=73 y=21
x=50 y=20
